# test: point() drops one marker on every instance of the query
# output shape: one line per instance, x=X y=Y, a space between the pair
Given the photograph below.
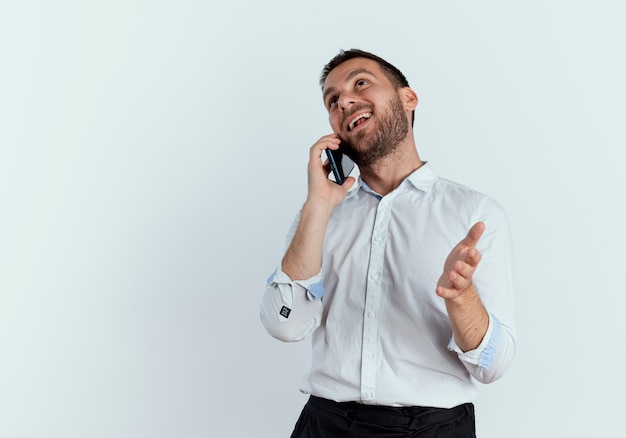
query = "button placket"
x=372 y=301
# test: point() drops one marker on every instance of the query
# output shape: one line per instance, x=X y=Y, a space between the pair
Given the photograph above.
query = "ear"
x=409 y=98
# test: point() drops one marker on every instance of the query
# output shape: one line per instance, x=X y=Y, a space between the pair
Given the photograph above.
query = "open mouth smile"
x=359 y=120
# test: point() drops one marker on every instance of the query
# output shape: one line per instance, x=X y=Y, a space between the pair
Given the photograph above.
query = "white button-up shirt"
x=380 y=334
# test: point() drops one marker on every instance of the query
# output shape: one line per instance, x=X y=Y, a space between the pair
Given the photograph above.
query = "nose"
x=345 y=101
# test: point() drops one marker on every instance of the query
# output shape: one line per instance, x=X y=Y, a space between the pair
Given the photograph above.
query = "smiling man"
x=402 y=279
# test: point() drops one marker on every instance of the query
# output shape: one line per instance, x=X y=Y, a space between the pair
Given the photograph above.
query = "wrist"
x=317 y=208
x=466 y=299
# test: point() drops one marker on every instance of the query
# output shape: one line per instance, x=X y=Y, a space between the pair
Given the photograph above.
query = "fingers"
x=474 y=234
x=474 y=257
x=447 y=293
x=347 y=184
x=456 y=284
x=321 y=188
x=464 y=270
x=460 y=278
x=327 y=168
x=330 y=141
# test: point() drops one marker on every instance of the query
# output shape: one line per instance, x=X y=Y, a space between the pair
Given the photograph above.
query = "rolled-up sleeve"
x=291 y=310
x=491 y=358
x=494 y=282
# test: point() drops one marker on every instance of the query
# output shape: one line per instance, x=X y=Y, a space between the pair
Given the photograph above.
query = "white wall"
x=152 y=157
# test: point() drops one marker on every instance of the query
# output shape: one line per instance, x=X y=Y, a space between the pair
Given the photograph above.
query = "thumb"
x=475 y=233
x=348 y=183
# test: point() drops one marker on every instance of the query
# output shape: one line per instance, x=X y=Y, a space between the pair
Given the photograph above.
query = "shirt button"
x=368 y=395
x=369 y=355
x=371 y=315
x=373 y=275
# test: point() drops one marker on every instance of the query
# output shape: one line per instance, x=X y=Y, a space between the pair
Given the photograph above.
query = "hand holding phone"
x=340 y=164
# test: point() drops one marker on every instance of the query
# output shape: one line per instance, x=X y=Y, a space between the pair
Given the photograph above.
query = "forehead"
x=345 y=71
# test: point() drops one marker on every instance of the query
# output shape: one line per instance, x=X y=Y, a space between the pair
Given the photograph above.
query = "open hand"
x=460 y=265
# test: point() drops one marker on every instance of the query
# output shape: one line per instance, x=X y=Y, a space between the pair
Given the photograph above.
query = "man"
x=402 y=279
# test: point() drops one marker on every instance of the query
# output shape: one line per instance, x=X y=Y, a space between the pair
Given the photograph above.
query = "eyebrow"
x=351 y=75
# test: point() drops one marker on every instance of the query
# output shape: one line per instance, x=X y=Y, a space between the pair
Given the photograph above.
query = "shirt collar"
x=422 y=178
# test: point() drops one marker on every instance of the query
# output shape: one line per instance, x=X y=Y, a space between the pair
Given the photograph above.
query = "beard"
x=366 y=150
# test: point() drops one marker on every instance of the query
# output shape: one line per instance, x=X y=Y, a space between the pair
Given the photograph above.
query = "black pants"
x=323 y=418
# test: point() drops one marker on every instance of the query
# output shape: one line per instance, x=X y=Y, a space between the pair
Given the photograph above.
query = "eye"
x=360 y=83
x=332 y=101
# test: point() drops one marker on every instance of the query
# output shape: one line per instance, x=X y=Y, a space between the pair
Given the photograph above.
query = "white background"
x=153 y=155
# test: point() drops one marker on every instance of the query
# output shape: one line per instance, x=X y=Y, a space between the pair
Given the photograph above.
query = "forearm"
x=469 y=319
x=291 y=308
x=303 y=258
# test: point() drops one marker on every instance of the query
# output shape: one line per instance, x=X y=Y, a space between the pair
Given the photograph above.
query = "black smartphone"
x=340 y=164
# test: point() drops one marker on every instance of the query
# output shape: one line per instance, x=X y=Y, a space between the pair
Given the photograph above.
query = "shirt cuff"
x=314 y=286
x=485 y=353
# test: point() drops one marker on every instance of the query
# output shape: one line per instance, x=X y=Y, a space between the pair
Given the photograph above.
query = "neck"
x=388 y=173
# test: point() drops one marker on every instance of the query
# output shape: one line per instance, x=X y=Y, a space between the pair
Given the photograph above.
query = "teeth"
x=361 y=116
